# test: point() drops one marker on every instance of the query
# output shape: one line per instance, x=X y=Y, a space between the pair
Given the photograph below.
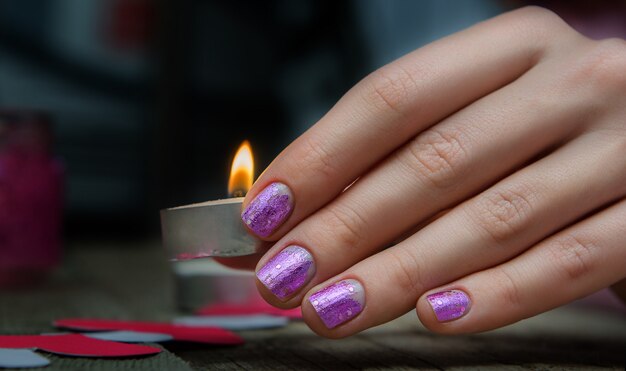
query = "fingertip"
x=268 y=210
x=427 y=317
x=445 y=311
x=312 y=319
x=264 y=239
x=335 y=311
x=283 y=274
x=270 y=298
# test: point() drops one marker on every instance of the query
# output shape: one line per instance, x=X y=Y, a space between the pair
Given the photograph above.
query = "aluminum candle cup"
x=204 y=281
x=207 y=229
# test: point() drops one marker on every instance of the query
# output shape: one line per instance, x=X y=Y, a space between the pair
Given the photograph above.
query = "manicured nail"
x=339 y=302
x=269 y=209
x=449 y=305
x=287 y=272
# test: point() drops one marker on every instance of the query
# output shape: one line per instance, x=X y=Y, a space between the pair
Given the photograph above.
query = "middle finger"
x=442 y=166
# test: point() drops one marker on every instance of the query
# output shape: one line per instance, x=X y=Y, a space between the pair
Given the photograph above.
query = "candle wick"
x=238 y=193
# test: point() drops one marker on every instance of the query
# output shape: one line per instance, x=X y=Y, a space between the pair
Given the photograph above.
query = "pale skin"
x=491 y=161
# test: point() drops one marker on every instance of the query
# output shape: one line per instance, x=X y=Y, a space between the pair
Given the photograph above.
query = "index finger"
x=389 y=107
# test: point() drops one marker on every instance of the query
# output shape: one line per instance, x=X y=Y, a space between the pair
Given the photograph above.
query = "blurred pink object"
x=31 y=198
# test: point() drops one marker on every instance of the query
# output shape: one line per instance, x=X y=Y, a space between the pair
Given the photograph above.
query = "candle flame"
x=242 y=171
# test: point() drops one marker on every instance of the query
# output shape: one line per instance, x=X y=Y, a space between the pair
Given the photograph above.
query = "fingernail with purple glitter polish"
x=449 y=305
x=339 y=303
x=269 y=209
x=287 y=272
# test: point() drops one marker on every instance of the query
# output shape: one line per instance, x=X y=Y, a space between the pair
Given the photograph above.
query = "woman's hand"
x=494 y=161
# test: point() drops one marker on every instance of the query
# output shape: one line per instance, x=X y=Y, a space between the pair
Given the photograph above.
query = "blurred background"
x=139 y=105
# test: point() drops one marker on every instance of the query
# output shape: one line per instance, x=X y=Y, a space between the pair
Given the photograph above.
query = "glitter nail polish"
x=339 y=302
x=269 y=209
x=449 y=305
x=287 y=272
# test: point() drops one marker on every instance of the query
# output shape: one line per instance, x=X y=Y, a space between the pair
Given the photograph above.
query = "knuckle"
x=602 y=68
x=389 y=88
x=314 y=157
x=503 y=213
x=406 y=271
x=438 y=155
x=611 y=64
x=540 y=26
x=539 y=14
x=572 y=255
x=346 y=226
x=507 y=287
x=537 y=18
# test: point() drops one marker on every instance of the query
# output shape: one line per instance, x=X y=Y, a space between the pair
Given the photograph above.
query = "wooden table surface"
x=124 y=281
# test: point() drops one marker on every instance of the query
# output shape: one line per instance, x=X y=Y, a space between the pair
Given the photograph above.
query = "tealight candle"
x=213 y=228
